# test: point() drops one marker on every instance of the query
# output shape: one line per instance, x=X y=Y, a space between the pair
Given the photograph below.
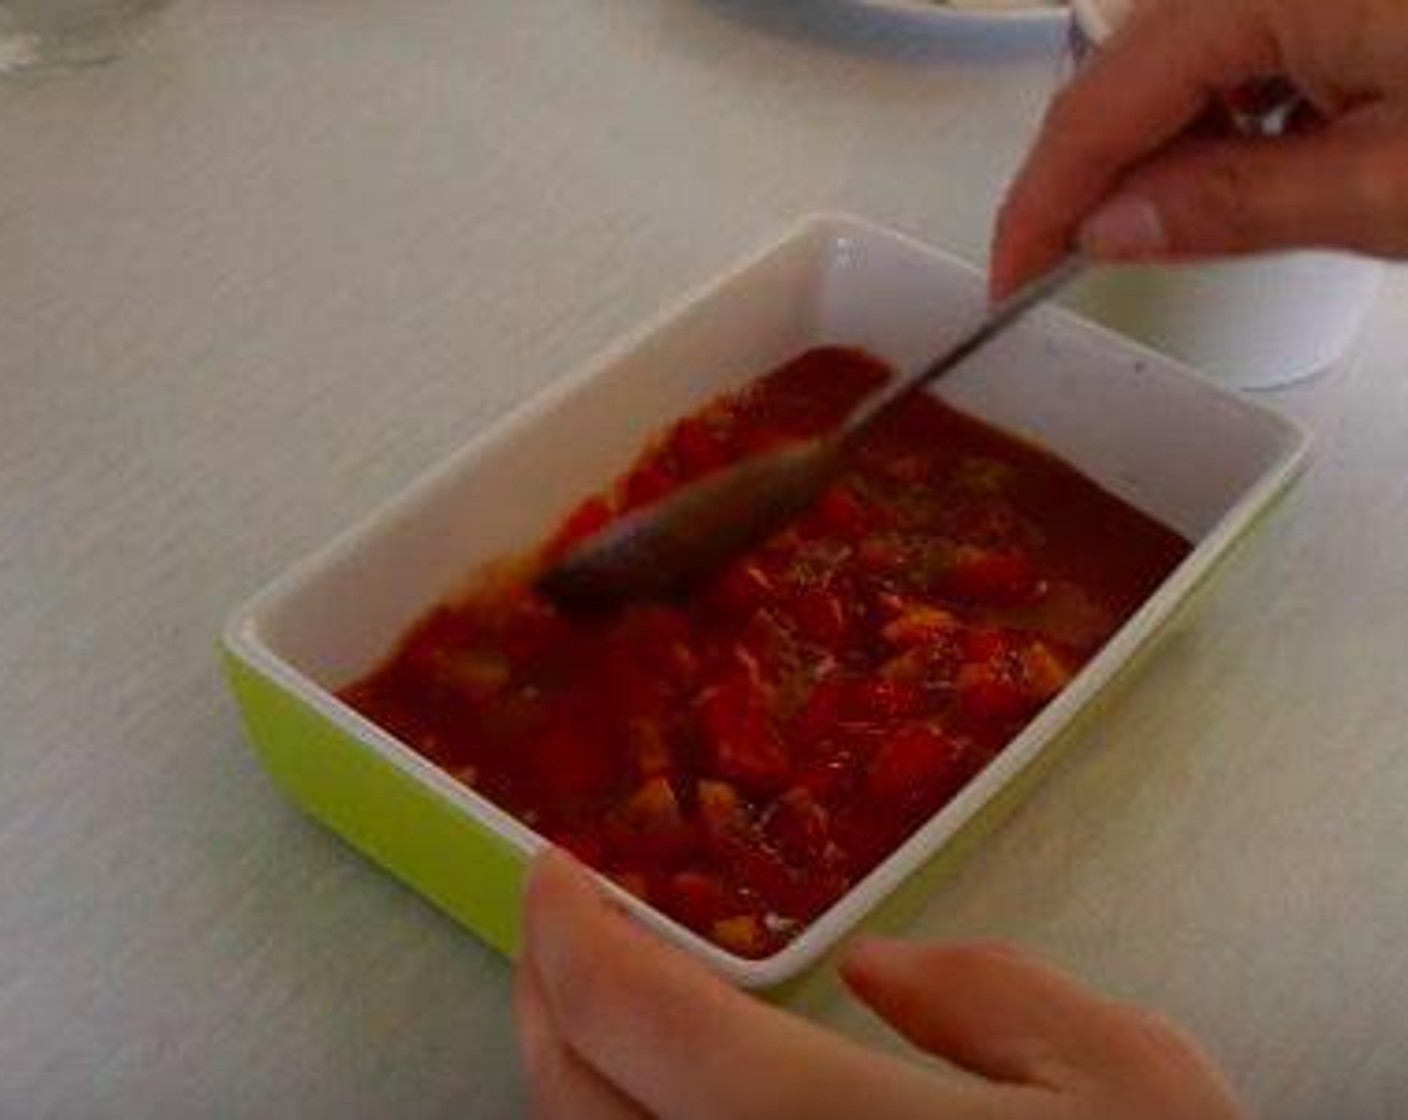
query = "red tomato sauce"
x=741 y=758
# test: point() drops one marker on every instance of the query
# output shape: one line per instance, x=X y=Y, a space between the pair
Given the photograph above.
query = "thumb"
x=1225 y=197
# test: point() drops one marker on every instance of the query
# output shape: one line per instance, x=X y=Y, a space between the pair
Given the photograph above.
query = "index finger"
x=1152 y=80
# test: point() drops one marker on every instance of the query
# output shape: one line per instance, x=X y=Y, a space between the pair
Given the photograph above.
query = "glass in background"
x=1254 y=322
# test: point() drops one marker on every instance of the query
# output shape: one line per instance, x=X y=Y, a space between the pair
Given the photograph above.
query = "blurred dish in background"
x=1040 y=12
x=37 y=35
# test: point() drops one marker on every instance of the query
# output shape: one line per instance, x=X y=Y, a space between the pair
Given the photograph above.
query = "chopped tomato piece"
x=989 y=693
x=759 y=869
x=882 y=556
x=842 y=514
x=745 y=935
x=653 y=807
x=923 y=667
x=986 y=643
x=650 y=748
x=883 y=699
x=651 y=829
x=721 y=812
x=920 y=624
x=478 y=674
x=799 y=826
x=990 y=576
x=916 y=765
x=819 y=615
x=526 y=627
x=743 y=740
x=699 y=898
x=822 y=710
x=1046 y=671
x=993 y=523
x=832 y=777
x=836 y=700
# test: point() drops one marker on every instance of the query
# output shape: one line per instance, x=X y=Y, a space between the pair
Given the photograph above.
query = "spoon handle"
x=999 y=317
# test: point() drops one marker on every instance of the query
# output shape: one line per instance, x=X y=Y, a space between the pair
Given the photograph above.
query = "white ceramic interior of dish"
x=1199 y=458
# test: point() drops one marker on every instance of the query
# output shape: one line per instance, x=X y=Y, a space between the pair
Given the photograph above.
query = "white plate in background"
x=1009 y=12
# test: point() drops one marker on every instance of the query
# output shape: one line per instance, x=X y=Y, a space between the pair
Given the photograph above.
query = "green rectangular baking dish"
x=1201 y=459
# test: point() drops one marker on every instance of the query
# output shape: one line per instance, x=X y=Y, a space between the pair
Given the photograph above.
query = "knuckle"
x=1213 y=209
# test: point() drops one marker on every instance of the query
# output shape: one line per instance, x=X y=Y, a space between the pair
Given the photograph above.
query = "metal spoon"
x=662 y=550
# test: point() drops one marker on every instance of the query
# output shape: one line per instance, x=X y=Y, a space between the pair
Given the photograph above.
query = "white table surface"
x=256 y=278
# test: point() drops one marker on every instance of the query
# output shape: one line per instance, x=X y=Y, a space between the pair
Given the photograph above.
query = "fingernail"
x=1126 y=226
